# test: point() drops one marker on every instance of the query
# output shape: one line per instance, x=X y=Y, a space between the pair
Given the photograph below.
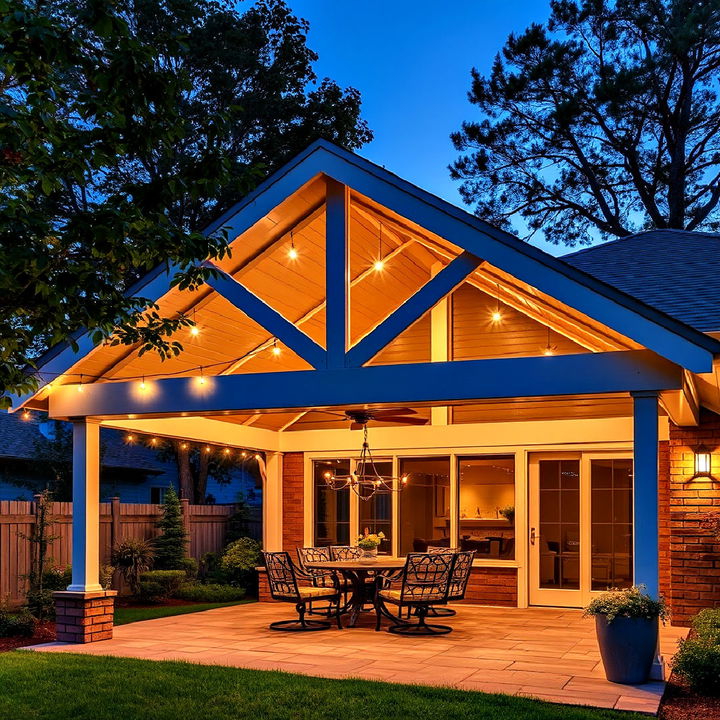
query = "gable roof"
x=672 y=270
x=23 y=440
x=646 y=325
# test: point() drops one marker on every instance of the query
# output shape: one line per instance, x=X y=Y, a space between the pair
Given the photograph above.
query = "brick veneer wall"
x=492 y=586
x=84 y=617
x=293 y=512
x=694 y=555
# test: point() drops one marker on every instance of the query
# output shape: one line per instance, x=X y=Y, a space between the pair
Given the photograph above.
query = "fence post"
x=185 y=509
x=115 y=536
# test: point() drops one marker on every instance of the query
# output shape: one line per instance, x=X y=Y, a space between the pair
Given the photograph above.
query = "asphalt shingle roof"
x=674 y=271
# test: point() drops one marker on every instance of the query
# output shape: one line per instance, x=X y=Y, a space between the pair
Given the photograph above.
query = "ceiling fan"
x=360 y=418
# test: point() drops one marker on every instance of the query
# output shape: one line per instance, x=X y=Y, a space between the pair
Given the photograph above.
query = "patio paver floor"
x=546 y=653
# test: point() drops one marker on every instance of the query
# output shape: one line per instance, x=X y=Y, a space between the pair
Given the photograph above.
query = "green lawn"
x=124 y=615
x=44 y=685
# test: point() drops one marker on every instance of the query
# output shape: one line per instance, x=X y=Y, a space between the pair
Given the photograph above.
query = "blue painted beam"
x=413 y=309
x=268 y=318
x=426 y=383
x=646 y=559
x=337 y=273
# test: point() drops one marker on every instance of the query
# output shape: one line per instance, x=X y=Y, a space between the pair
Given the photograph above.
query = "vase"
x=627 y=648
x=369 y=554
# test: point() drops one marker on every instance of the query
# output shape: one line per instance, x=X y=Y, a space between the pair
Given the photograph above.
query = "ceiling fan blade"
x=394 y=412
x=403 y=419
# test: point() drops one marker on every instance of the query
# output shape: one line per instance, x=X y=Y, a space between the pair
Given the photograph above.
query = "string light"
x=379 y=264
x=497 y=315
x=80 y=387
x=130 y=438
x=548 y=349
x=226 y=451
x=153 y=441
x=26 y=415
x=194 y=329
x=208 y=449
x=292 y=252
x=257 y=457
x=183 y=446
x=276 y=349
x=143 y=386
x=201 y=379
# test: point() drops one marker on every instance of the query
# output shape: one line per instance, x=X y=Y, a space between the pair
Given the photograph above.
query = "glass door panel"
x=375 y=514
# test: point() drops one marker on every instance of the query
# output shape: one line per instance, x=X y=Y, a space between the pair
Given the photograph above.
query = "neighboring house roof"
x=23 y=440
x=674 y=271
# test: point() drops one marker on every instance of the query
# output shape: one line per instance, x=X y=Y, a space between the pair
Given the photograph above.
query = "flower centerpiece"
x=369 y=542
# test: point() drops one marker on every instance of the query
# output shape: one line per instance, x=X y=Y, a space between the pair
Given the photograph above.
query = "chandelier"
x=365 y=481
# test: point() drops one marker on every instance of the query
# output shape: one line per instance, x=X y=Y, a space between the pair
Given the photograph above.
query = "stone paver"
x=547 y=653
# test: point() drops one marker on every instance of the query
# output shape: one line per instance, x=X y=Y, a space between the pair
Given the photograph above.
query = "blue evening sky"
x=411 y=61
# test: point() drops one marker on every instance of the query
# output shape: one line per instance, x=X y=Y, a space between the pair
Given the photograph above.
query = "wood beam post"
x=337 y=273
x=86 y=508
x=440 y=345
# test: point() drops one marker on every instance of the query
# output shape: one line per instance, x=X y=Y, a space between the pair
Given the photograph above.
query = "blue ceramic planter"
x=627 y=648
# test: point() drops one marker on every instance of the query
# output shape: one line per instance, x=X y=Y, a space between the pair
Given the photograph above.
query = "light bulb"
x=276 y=350
x=379 y=265
x=243 y=453
x=257 y=457
x=131 y=438
x=226 y=451
x=184 y=446
x=153 y=441
x=548 y=351
x=194 y=330
x=293 y=253
x=80 y=388
x=207 y=448
x=142 y=384
x=497 y=316
x=26 y=415
x=201 y=380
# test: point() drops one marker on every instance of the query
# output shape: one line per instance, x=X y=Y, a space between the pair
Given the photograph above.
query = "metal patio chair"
x=321 y=578
x=459 y=578
x=345 y=552
x=283 y=581
x=420 y=585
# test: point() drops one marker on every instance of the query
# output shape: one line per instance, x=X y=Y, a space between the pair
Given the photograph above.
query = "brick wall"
x=293 y=502
x=664 y=518
x=492 y=586
x=694 y=555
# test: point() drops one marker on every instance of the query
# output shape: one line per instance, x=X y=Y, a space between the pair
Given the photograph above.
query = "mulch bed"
x=44 y=632
x=681 y=703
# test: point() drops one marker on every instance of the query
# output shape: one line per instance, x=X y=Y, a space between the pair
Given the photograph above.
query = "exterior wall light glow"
x=703 y=462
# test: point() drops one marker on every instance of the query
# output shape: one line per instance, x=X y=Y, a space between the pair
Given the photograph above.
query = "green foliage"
x=16 y=624
x=40 y=604
x=630 y=602
x=57 y=578
x=157 y=585
x=604 y=121
x=209 y=593
x=698 y=657
x=191 y=568
x=240 y=559
x=106 y=576
x=123 y=126
x=171 y=543
x=132 y=557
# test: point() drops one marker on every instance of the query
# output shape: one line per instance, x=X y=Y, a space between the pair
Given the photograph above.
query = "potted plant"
x=369 y=542
x=508 y=512
x=626 y=622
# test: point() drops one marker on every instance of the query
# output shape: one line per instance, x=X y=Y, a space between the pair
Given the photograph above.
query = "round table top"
x=379 y=562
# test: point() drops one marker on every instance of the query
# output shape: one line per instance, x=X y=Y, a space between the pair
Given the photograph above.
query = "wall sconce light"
x=703 y=462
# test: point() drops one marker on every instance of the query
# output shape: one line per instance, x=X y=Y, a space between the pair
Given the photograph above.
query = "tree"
x=122 y=127
x=171 y=544
x=602 y=122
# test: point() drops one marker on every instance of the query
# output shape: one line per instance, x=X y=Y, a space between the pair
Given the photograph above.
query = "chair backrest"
x=345 y=552
x=460 y=575
x=281 y=575
x=426 y=577
x=434 y=549
x=313 y=554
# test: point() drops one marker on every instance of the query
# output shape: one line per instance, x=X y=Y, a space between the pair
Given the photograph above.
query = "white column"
x=86 y=507
x=645 y=494
x=273 y=502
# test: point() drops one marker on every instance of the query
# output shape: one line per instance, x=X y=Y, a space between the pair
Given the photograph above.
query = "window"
x=375 y=514
x=612 y=523
x=425 y=504
x=157 y=495
x=487 y=506
x=332 y=507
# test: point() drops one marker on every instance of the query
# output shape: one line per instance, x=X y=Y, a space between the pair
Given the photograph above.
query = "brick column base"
x=84 y=617
x=263 y=586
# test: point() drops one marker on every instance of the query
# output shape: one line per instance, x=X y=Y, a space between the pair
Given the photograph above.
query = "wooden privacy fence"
x=206 y=525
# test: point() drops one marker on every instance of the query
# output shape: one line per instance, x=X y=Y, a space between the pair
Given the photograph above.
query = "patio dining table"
x=356 y=572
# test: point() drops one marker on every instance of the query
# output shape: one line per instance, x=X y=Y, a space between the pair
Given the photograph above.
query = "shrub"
x=57 y=578
x=167 y=582
x=40 y=604
x=698 y=659
x=12 y=625
x=240 y=559
x=698 y=662
x=170 y=544
x=106 y=576
x=150 y=592
x=190 y=566
x=630 y=602
x=211 y=593
x=132 y=558
x=210 y=570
